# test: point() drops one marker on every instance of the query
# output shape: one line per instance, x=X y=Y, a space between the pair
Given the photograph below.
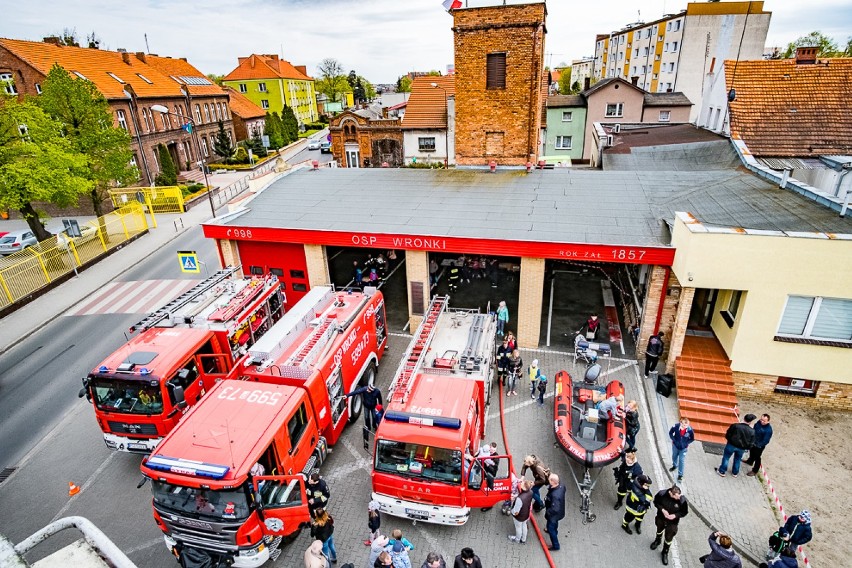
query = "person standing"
x=722 y=555
x=590 y=328
x=671 y=508
x=314 y=558
x=379 y=545
x=637 y=504
x=370 y=396
x=502 y=317
x=797 y=530
x=521 y=511
x=318 y=493
x=541 y=475
x=514 y=368
x=653 y=352
x=467 y=559
x=374 y=522
x=542 y=388
x=626 y=474
x=322 y=529
x=503 y=354
x=681 y=435
x=433 y=272
x=535 y=374
x=554 y=509
x=631 y=424
x=357 y=274
x=453 y=278
x=399 y=555
x=762 y=435
x=434 y=560
x=740 y=437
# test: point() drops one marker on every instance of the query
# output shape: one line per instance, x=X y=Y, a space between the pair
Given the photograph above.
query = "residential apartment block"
x=581 y=71
x=271 y=83
x=674 y=52
x=132 y=83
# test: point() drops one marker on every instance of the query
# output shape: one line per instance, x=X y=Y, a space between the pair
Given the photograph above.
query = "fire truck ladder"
x=413 y=358
x=313 y=344
x=471 y=358
x=239 y=302
x=164 y=312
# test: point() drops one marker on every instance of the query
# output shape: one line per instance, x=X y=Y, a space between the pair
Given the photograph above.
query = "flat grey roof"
x=564 y=206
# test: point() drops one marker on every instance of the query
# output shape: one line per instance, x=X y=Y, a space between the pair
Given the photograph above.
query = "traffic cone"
x=72 y=489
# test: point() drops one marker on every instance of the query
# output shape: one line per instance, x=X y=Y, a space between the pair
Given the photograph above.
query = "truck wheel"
x=356 y=403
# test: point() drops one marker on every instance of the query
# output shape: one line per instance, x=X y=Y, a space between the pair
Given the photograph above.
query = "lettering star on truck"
x=424 y=466
x=141 y=391
x=229 y=481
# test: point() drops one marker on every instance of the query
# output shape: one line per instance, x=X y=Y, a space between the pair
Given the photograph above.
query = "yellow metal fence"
x=24 y=272
x=167 y=199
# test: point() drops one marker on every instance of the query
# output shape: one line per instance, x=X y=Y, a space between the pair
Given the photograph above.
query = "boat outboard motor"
x=593 y=371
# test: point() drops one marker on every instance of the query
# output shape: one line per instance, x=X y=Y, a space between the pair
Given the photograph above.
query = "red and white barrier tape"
x=778 y=504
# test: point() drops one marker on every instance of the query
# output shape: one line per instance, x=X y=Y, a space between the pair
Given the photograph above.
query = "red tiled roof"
x=427 y=105
x=263 y=66
x=185 y=73
x=784 y=109
x=242 y=106
x=95 y=64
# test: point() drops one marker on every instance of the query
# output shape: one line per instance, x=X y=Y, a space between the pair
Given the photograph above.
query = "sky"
x=379 y=39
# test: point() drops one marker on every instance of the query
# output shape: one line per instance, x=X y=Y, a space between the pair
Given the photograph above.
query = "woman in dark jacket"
x=322 y=529
x=722 y=554
x=631 y=424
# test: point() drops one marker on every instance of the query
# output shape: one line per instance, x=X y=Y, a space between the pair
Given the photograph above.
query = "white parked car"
x=314 y=144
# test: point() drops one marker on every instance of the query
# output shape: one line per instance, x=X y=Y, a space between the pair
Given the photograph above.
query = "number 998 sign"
x=254 y=396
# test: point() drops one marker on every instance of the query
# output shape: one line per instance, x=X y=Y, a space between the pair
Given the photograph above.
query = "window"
x=204 y=146
x=676 y=25
x=38 y=88
x=243 y=88
x=665 y=115
x=666 y=47
x=198 y=113
x=669 y=27
x=495 y=71
x=671 y=67
x=8 y=83
x=279 y=272
x=427 y=144
x=674 y=46
x=614 y=109
x=122 y=119
x=256 y=270
x=114 y=76
x=264 y=103
x=144 y=78
x=80 y=75
x=261 y=87
x=810 y=317
x=297 y=274
x=636 y=52
x=298 y=287
x=645 y=52
x=563 y=142
x=167 y=122
x=567 y=116
x=802 y=387
x=634 y=69
x=206 y=112
x=730 y=313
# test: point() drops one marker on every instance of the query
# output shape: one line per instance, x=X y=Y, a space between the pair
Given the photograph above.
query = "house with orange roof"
x=428 y=125
x=271 y=83
x=788 y=115
x=132 y=83
x=249 y=119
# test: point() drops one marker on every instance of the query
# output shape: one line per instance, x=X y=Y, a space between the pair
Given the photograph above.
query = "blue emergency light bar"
x=187 y=467
x=422 y=419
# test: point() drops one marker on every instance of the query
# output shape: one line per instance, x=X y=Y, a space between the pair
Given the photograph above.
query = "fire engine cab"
x=425 y=464
x=142 y=390
x=229 y=480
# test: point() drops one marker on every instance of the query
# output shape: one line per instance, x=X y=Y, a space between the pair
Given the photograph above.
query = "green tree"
x=369 y=89
x=272 y=128
x=848 y=51
x=168 y=172
x=222 y=144
x=37 y=163
x=827 y=46
x=88 y=124
x=332 y=82
x=255 y=144
x=576 y=87
x=565 y=81
x=216 y=78
x=403 y=84
x=289 y=124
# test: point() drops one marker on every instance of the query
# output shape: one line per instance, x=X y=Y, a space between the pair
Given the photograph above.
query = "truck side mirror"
x=85 y=390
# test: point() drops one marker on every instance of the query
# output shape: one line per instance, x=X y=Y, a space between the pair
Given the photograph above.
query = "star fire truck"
x=425 y=464
x=278 y=413
x=142 y=390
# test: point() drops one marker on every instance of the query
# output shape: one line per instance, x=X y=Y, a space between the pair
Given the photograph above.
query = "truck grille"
x=221 y=536
x=129 y=428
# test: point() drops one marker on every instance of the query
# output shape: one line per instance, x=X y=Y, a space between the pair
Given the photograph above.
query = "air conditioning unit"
x=616 y=128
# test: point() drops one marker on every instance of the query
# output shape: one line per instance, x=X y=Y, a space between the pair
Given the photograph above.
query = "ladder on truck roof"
x=472 y=357
x=165 y=311
x=413 y=357
x=314 y=343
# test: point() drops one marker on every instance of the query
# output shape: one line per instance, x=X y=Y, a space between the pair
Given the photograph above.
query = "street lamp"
x=447 y=133
x=163 y=110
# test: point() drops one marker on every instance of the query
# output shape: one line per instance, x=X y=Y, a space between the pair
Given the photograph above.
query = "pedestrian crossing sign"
x=188 y=260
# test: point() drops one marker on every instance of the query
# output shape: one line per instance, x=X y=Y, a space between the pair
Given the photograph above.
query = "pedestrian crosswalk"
x=131 y=297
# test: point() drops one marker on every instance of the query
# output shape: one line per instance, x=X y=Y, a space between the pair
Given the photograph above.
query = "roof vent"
x=53 y=40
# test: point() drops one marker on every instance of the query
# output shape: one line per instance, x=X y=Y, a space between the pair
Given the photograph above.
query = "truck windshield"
x=202 y=503
x=424 y=462
x=129 y=397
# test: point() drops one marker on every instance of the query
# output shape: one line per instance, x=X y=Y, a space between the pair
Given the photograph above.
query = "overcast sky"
x=380 y=39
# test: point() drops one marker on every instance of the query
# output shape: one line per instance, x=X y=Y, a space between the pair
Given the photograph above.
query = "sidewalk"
x=738 y=506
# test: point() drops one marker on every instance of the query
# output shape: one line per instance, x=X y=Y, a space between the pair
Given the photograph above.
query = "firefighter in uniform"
x=454 y=277
x=625 y=474
x=638 y=502
x=671 y=508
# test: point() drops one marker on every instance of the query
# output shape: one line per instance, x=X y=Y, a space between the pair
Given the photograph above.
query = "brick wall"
x=383 y=135
x=832 y=396
x=317 y=261
x=498 y=124
x=528 y=320
x=417 y=270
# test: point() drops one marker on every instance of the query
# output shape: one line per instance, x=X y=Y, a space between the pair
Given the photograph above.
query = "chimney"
x=125 y=57
x=52 y=40
x=806 y=55
x=303 y=69
x=140 y=55
x=587 y=82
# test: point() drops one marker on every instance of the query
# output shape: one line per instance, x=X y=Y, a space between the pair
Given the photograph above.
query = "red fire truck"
x=425 y=466
x=142 y=390
x=209 y=493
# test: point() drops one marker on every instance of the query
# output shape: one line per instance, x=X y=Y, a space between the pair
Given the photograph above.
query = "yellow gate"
x=166 y=199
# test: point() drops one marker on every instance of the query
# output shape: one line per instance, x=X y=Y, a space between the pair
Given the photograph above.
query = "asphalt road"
x=306 y=154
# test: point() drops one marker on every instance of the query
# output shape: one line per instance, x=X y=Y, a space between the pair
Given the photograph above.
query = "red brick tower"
x=499 y=56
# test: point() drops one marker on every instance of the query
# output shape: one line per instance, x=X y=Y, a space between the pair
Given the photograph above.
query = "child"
x=396 y=536
x=535 y=376
x=542 y=388
x=502 y=317
x=374 y=522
